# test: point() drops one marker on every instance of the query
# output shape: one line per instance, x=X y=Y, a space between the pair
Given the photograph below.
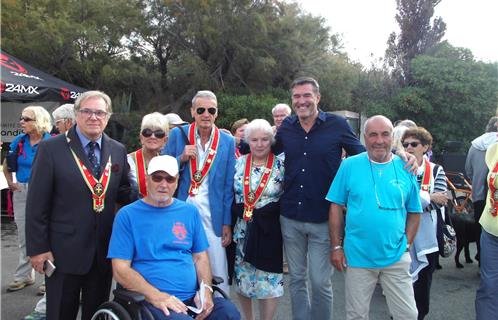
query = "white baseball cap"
x=174 y=119
x=164 y=163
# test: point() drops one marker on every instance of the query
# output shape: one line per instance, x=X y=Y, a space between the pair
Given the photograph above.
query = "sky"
x=365 y=25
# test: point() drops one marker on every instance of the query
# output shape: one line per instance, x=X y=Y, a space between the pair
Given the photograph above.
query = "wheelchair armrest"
x=128 y=296
x=217 y=280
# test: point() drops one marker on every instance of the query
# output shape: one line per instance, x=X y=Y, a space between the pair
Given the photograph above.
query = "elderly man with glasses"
x=383 y=207
x=76 y=181
x=206 y=156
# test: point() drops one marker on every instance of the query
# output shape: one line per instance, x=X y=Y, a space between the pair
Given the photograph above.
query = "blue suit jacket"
x=220 y=175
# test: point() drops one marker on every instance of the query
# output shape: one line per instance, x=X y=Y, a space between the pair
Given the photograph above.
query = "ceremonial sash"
x=493 y=191
x=252 y=197
x=140 y=169
x=197 y=175
x=98 y=188
x=425 y=186
x=237 y=153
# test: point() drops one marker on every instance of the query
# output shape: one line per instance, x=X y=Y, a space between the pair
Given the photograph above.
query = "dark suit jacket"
x=59 y=209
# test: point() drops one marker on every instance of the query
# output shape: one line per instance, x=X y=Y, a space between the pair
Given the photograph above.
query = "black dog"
x=467 y=231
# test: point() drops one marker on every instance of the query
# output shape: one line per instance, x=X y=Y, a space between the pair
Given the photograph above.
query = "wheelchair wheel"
x=111 y=311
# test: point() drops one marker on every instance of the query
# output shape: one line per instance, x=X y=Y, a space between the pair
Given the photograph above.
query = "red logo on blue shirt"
x=179 y=231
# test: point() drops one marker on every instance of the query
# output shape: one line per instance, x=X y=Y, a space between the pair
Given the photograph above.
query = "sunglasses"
x=157 y=133
x=26 y=119
x=201 y=110
x=158 y=178
x=413 y=144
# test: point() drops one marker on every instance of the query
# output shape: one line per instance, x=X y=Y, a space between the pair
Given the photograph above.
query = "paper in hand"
x=202 y=298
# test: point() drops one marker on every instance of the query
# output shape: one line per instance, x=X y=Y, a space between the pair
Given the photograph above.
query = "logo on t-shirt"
x=180 y=231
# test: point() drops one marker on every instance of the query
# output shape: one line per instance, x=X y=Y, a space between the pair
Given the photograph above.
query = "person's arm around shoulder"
x=132 y=280
x=203 y=270
x=411 y=164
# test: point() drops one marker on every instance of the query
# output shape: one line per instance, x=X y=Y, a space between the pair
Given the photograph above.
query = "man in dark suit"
x=77 y=179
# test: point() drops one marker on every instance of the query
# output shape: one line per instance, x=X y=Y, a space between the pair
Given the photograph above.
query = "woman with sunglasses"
x=432 y=182
x=153 y=137
x=36 y=125
x=258 y=185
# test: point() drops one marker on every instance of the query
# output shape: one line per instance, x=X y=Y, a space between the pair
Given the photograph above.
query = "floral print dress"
x=251 y=282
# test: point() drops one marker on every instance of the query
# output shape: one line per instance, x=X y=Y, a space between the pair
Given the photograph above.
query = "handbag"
x=445 y=233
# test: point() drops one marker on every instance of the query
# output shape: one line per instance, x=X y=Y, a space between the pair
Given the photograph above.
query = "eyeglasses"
x=99 y=114
x=398 y=187
x=26 y=119
x=158 y=178
x=414 y=144
x=201 y=110
x=157 y=133
x=60 y=120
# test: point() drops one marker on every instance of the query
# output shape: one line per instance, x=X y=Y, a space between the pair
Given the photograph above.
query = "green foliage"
x=234 y=107
x=453 y=96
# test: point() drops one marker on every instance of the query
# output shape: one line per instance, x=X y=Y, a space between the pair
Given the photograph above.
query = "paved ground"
x=453 y=290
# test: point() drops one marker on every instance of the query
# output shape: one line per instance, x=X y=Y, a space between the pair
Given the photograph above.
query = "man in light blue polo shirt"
x=383 y=208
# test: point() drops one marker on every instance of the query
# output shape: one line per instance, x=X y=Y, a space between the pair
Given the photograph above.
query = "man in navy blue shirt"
x=312 y=141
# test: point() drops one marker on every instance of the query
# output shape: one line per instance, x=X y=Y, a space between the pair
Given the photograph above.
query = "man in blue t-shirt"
x=158 y=248
x=383 y=208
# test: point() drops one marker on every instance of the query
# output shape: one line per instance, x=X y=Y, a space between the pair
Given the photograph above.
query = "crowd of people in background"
x=197 y=201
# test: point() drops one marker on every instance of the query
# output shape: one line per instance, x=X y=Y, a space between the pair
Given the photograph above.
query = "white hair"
x=258 y=125
x=66 y=111
x=282 y=106
x=155 y=120
x=204 y=94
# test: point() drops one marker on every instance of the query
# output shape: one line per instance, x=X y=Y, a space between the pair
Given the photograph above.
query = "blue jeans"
x=487 y=294
x=223 y=309
x=303 y=242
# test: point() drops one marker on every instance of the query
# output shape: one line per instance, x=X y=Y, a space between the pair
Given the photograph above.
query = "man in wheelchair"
x=158 y=249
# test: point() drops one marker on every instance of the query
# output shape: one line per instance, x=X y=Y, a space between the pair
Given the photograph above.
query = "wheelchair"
x=128 y=305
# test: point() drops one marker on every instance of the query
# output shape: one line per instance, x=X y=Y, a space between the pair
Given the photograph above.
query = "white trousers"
x=24 y=271
x=218 y=258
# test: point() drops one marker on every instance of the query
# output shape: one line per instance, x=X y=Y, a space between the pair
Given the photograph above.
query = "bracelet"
x=337 y=248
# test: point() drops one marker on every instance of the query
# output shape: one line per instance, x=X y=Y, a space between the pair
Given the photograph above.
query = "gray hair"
x=66 y=111
x=398 y=132
x=259 y=125
x=156 y=121
x=42 y=119
x=406 y=123
x=377 y=117
x=93 y=94
x=492 y=125
x=204 y=94
x=306 y=80
x=281 y=106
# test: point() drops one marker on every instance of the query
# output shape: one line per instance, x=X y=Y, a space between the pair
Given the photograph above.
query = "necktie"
x=93 y=159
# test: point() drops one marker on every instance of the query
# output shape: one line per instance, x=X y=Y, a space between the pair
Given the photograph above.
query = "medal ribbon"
x=140 y=170
x=97 y=188
x=250 y=197
x=197 y=176
x=493 y=191
x=427 y=176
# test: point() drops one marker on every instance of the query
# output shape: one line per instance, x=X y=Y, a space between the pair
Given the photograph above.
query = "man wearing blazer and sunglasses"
x=206 y=156
x=77 y=179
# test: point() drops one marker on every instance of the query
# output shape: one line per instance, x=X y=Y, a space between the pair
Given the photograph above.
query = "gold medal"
x=251 y=196
x=197 y=176
x=98 y=189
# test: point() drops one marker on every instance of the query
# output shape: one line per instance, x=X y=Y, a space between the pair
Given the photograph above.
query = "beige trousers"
x=396 y=283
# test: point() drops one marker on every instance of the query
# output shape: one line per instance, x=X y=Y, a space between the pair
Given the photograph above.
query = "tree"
x=417 y=35
x=452 y=95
